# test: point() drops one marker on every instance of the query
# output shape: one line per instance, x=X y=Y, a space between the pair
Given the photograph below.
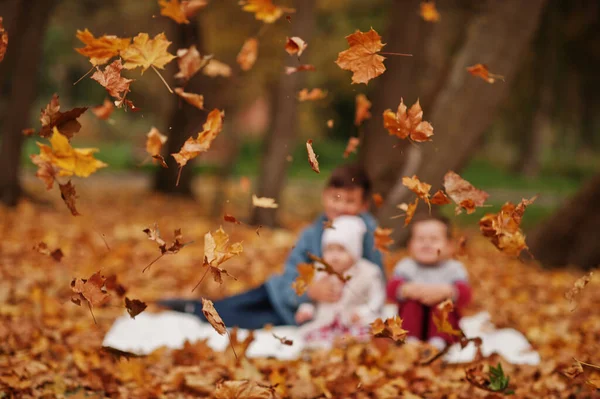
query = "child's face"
x=337 y=256
x=429 y=242
x=343 y=201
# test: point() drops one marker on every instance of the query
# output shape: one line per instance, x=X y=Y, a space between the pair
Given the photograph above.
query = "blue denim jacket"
x=279 y=287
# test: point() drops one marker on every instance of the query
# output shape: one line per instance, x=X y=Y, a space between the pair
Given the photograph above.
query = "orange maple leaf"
x=248 y=54
x=90 y=290
x=46 y=172
x=391 y=328
x=312 y=95
x=440 y=318
x=362 y=58
x=216 y=68
x=428 y=11
x=3 y=40
x=383 y=239
x=295 y=45
x=481 y=71
x=312 y=157
x=300 y=68
x=418 y=187
x=154 y=143
x=111 y=79
x=377 y=200
x=306 y=273
x=463 y=193
x=264 y=10
x=197 y=100
x=100 y=50
x=363 y=105
x=189 y=62
x=174 y=10
x=409 y=211
x=351 y=147
x=440 y=198
x=105 y=110
x=409 y=124
x=66 y=122
x=146 y=52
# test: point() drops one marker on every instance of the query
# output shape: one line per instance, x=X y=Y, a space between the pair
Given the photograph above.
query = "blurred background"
x=536 y=132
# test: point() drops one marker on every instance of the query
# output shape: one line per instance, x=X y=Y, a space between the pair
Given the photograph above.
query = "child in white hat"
x=362 y=296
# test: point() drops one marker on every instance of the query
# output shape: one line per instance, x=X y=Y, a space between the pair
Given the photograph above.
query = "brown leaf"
x=409 y=211
x=264 y=10
x=428 y=11
x=322 y=266
x=578 y=286
x=191 y=7
x=28 y=132
x=212 y=316
x=362 y=58
x=90 y=290
x=312 y=157
x=418 y=187
x=574 y=370
x=118 y=354
x=193 y=147
x=42 y=248
x=245 y=184
x=111 y=79
x=440 y=318
x=377 y=200
x=363 y=105
x=481 y=71
x=154 y=235
x=105 y=110
x=155 y=141
x=231 y=219
x=284 y=340
x=248 y=54
x=189 y=62
x=408 y=123
x=111 y=284
x=3 y=40
x=295 y=45
x=46 y=172
x=174 y=10
x=383 y=239
x=313 y=95
x=197 y=100
x=100 y=50
x=66 y=122
x=463 y=193
x=217 y=248
x=216 y=68
x=134 y=307
x=306 y=273
x=299 y=68
x=440 y=198
x=391 y=328
x=244 y=389
x=68 y=195
x=351 y=147
x=263 y=202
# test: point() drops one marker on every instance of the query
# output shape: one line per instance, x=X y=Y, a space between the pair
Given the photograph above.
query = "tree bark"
x=282 y=136
x=465 y=105
x=22 y=61
x=570 y=236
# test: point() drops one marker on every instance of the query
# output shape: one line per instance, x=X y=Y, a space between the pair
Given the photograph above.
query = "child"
x=362 y=297
x=347 y=192
x=427 y=278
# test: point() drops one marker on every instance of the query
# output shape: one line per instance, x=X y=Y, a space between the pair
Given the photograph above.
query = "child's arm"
x=305 y=312
x=400 y=281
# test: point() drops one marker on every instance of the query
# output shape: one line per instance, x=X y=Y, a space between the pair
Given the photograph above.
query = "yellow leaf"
x=217 y=248
x=100 y=50
x=155 y=141
x=173 y=10
x=428 y=12
x=193 y=147
x=264 y=10
x=70 y=161
x=146 y=52
x=440 y=318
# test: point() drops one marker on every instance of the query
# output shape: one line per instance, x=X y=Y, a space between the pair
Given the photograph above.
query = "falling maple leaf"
x=100 y=50
x=134 y=307
x=111 y=284
x=154 y=142
x=244 y=389
x=216 y=68
x=68 y=195
x=321 y=265
x=66 y=122
x=577 y=287
x=300 y=68
x=191 y=7
x=217 y=248
x=351 y=147
x=312 y=157
x=428 y=11
x=231 y=219
x=146 y=52
x=248 y=54
x=105 y=110
x=377 y=200
x=46 y=172
x=263 y=202
x=409 y=210
x=481 y=71
x=463 y=193
x=284 y=340
x=212 y=316
x=3 y=40
x=264 y=10
x=90 y=290
x=391 y=328
x=383 y=239
x=440 y=318
x=42 y=248
x=197 y=100
x=363 y=105
x=176 y=246
x=418 y=187
x=111 y=79
x=306 y=273
x=314 y=94
x=174 y=10
x=70 y=161
x=189 y=62
x=439 y=198
x=408 y=124
x=295 y=45
x=362 y=58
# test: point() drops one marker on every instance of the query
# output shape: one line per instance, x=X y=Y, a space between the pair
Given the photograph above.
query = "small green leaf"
x=498 y=381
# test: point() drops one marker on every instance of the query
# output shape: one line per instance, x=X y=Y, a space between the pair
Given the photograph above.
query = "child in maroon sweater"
x=427 y=277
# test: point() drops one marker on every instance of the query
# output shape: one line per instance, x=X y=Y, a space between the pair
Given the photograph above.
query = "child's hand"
x=432 y=294
x=303 y=315
x=411 y=291
x=326 y=290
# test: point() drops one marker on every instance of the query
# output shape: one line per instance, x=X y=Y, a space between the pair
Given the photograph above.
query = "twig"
x=202 y=279
x=86 y=74
x=151 y=263
x=231 y=344
x=401 y=54
x=161 y=78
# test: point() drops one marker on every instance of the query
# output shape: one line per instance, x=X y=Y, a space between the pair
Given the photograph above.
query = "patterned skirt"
x=336 y=330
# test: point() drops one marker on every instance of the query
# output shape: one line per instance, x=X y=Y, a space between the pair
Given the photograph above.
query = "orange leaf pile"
x=362 y=58
x=66 y=122
x=100 y=50
x=363 y=105
x=408 y=123
x=481 y=71
x=390 y=328
x=463 y=193
x=312 y=157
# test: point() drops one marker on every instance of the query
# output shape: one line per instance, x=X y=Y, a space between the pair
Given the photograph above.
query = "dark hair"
x=424 y=217
x=350 y=176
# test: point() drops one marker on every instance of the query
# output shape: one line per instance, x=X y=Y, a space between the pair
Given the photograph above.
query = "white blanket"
x=150 y=331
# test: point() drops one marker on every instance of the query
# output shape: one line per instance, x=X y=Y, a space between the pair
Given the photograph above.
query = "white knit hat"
x=347 y=231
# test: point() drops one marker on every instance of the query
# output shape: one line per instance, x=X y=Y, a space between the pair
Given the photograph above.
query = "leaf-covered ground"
x=49 y=347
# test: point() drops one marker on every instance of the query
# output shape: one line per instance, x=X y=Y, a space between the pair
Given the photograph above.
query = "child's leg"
x=412 y=314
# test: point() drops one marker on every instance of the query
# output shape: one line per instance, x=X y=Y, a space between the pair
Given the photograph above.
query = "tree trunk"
x=465 y=105
x=282 y=136
x=23 y=58
x=570 y=236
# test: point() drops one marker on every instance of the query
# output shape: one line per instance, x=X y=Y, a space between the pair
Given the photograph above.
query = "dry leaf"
x=428 y=11
x=362 y=58
x=383 y=239
x=212 y=316
x=70 y=161
x=175 y=247
x=100 y=50
x=3 y=40
x=284 y=340
x=155 y=141
x=134 y=307
x=377 y=200
x=197 y=100
x=463 y=193
x=295 y=45
x=363 y=105
x=146 y=52
x=105 y=110
x=216 y=68
x=440 y=198
x=46 y=172
x=330 y=123
x=111 y=284
x=174 y=10
x=440 y=318
x=409 y=123
x=66 y=122
x=306 y=273
x=189 y=62
x=42 y=248
x=391 y=328
x=321 y=266
x=193 y=147
x=314 y=94
x=28 y=131
x=90 y=290
x=577 y=287
x=154 y=235
x=245 y=184
x=481 y=71
x=574 y=370
x=68 y=195
x=418 y=187
x=264 y=10
x=248 y=54
x=300 y=68
x=217 y=248
x=191 y=7
x=351 y=147
x=312 y=157
x=409 y=210
x=111 y=79
x=244 y=390
x=263 y=202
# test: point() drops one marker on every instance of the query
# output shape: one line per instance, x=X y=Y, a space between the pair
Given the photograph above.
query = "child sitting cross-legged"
x=362 y=296
x=426 y=278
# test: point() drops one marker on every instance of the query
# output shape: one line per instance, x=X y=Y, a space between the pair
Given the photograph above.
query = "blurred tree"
x=282 y=135
x=26 y=22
